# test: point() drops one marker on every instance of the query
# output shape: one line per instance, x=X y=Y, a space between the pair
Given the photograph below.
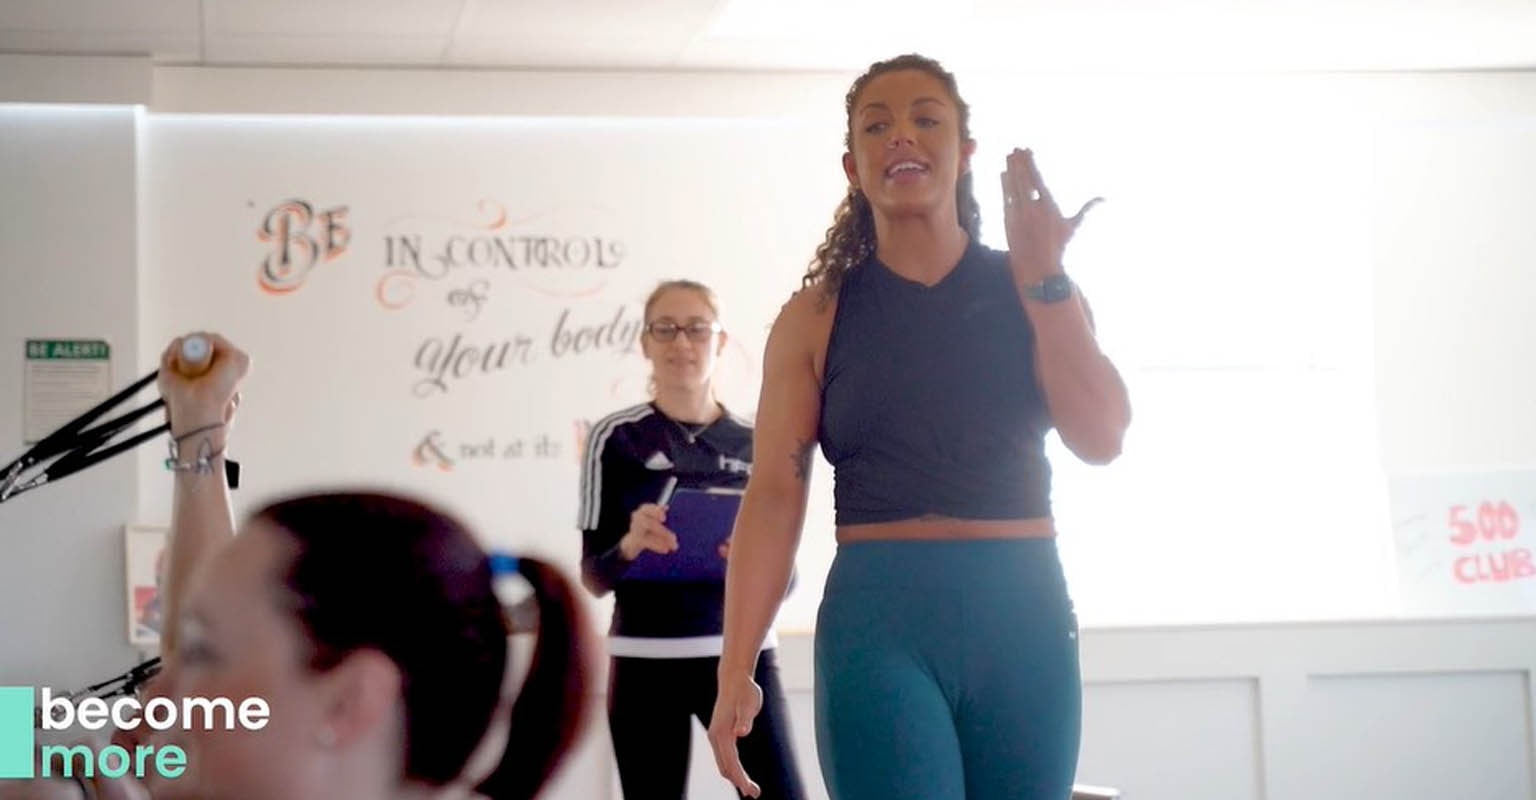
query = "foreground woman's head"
x=369 y=624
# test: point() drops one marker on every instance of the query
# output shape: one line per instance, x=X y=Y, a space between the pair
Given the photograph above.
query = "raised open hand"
x=1037 y=231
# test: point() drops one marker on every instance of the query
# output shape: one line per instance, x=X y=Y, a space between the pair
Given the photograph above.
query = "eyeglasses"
x=696 y=331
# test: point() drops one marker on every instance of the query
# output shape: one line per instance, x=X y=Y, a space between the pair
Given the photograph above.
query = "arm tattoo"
x=802 y=458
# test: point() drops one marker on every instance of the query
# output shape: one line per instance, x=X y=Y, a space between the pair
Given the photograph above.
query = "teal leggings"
x=947 y=670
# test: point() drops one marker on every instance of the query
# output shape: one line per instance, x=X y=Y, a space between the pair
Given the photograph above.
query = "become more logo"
x=20 y=756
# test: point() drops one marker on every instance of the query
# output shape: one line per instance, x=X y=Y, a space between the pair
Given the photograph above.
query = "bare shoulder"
x=789 y=408
x=808 y=304
x=804 y=325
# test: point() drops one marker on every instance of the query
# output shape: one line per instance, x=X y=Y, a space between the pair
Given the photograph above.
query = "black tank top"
x=929 y=404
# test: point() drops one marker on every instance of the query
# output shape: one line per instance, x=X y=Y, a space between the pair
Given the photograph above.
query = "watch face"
x=1053 y=289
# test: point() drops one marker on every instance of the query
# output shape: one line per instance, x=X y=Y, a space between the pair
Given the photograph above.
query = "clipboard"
x=703 y=520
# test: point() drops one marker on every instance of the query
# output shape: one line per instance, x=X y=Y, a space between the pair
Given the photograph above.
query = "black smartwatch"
x=1054 y=289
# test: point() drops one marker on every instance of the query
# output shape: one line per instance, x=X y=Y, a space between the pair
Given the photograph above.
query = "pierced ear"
x=363 y=692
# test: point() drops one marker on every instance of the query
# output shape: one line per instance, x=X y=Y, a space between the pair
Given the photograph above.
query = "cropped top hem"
x=854 y=517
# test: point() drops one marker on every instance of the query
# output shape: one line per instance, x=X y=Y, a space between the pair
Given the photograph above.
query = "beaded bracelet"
x=202 y=465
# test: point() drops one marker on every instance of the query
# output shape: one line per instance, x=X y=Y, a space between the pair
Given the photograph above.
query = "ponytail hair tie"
x=503 y=564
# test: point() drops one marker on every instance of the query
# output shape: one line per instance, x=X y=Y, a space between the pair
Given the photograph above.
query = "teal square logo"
x=18 y=739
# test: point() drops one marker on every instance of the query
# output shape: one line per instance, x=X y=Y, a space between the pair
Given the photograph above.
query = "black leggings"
x=651 y=705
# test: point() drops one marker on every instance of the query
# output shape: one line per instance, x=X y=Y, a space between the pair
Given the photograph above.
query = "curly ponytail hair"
x=851 y=239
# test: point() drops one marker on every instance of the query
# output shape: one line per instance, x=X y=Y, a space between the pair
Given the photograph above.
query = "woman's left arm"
x=1087 y=398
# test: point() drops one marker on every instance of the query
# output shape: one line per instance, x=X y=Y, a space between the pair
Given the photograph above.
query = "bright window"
x=1230 y=272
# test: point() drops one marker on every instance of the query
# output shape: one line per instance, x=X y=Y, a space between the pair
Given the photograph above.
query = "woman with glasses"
x=665 y=636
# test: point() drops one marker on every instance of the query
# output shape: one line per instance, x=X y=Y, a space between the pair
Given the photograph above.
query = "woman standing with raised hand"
x=929 y=368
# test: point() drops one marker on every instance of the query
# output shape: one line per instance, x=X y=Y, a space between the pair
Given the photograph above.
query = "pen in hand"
x=667 y=490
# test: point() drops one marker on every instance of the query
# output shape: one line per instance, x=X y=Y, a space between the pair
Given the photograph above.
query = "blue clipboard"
x=703 y=520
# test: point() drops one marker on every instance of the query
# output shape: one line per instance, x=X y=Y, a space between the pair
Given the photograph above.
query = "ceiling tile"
x=336 y=18
x=326 y=50
x=579 y=19
x=839 y=35
x=108 y=16
x=550 y=52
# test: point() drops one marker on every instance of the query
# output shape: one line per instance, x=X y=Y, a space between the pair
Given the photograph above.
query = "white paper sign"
x=63 y=378
x=1465 y=542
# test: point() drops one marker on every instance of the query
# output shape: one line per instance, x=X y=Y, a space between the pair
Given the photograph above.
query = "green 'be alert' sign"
x=63 y=378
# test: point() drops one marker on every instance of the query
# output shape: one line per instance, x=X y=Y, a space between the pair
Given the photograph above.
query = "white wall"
x=1422 y=709
x=1454 y=249
x=75 y=79
x=340 y=391
x=69 y=216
